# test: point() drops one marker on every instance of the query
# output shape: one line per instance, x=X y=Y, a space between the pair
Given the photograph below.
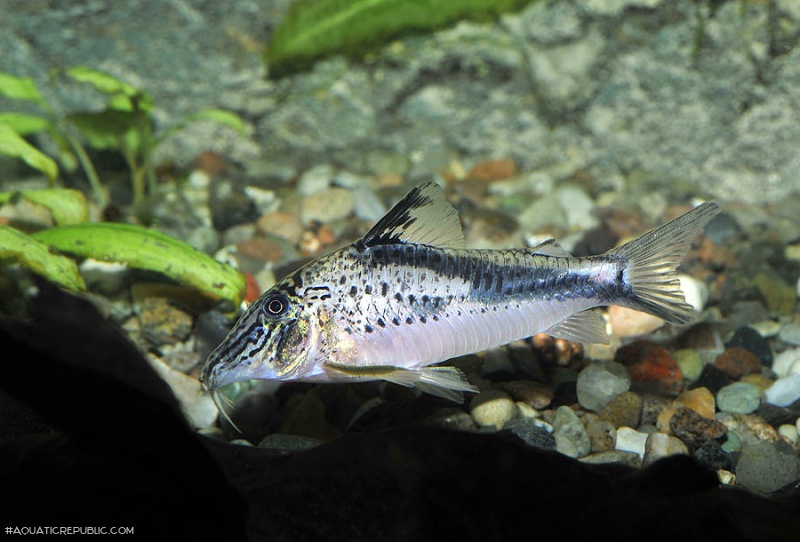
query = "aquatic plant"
x=124 y=125
x=314 y=29
x=136 y=246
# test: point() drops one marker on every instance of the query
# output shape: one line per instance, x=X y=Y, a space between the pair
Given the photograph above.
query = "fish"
x=408 y=295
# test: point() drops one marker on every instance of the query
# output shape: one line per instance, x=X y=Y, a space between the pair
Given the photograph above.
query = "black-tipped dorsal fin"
x=422 y=217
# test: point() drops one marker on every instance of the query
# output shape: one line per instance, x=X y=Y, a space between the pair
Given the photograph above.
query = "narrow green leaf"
x=313 y=29
x=36 y=256
x=25 y=124
x=20 y=88
x=11 y=144
x=102 y=81
x=145 y=248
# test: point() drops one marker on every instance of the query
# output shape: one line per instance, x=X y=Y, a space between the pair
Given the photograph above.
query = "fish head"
x=271 y=341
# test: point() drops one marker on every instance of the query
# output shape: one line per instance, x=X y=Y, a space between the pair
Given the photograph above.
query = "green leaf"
x=36 y=256
x=144 y=248
x=11 y=144
x=314 y=29
x=67 y=205
x=25 y=124
x=105 y=130
x=102 y=81
x=20 y=88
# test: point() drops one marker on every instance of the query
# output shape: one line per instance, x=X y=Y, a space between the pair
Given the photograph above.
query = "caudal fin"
x=652 y=260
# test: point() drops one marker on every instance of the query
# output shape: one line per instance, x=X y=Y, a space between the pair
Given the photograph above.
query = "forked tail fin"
x=652 y=260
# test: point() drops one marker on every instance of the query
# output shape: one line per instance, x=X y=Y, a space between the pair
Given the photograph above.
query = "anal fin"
x=582 y=327
x=446 y=382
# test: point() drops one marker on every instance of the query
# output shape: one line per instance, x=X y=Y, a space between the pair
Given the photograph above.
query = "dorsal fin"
x=422 y=217
x=550 y=248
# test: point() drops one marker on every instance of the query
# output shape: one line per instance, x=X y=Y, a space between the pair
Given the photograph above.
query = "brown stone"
x=534 y=394
x=652 y=367
x=737 y=362
x=693 y=429
x=494 y=170
x=624 y=410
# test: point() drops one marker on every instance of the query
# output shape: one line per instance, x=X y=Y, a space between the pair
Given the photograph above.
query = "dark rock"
x=532 y=433
x=565 y=393
x=713 y=379
x=693 y=429
x=748 y=338
x=711 y=453
x=721 y=228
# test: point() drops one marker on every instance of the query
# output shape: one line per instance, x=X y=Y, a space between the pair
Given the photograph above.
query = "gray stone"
x=660 y=445
x=738 y=398
x=571 y=437
x=600 y=382
x=533 y=432
x=763 y=468
x=289 y=443
x=790 y=333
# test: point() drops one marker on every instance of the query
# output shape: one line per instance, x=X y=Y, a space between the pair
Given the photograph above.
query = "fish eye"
x=276 y=305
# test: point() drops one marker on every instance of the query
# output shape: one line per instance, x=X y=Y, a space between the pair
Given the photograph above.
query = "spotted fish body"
x=408 y=295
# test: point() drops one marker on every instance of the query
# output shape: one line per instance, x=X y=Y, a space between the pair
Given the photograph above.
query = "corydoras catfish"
x=408 y=295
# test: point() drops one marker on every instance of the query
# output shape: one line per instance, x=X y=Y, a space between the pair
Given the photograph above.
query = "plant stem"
x=88 y=168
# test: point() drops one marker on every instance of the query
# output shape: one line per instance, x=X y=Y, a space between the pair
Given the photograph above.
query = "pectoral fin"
x=446 y=382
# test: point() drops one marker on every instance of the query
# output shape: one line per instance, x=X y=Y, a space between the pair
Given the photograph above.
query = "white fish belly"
x=416 y=344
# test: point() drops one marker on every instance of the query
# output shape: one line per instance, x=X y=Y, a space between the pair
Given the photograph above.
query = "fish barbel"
x=408 y=295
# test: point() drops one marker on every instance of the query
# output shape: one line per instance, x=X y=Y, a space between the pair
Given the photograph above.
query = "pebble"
x=785 y=391
x=712 y=379
x=624 y=410
x=492 y=408
x=693 y=429
x=714 y=455
x=288 y=442
x=659 y=445
x=327 y=205
x=763 y=468
x=195 y=403
x=652 y=367
x=571 y=437
x=600 y=382
x=751 y=340
x=690 y=363
x=494 y=170
x=758 y=380
x=315 y=180
x=787 y=362
x=765 y=328
x=602 y=433
x=632 y=459
x=630 y=323
x=630 y=440
x=281 y=223
x=699 y=399
x=737 y=362
x=533 y=432
x=789 y=432
x=451 y=418
x=694 y=291
x=779 y=295
x=162 y=323
x=738 y=398
x=534 y=394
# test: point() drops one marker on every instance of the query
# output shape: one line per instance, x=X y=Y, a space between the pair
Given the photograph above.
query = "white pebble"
x=493 y=408
x=790 y=432
x=630 y=440
x=695 y=291
x=784 y=391
x=785 y=361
